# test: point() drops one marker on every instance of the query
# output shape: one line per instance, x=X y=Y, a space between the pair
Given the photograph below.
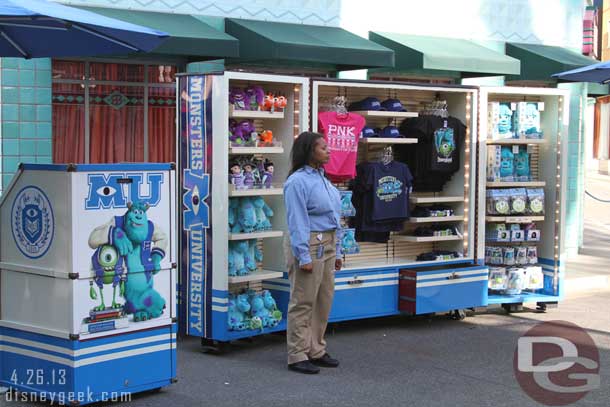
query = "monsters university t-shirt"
x=391 y=184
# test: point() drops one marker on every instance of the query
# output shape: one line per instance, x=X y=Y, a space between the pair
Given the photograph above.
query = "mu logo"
x=114 y=190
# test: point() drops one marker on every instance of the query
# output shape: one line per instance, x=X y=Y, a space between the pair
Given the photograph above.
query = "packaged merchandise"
x=494 y=163
x=535 y=201
x=497 y=278
x=507 y=164
x=347 y=208
x=515 y=281
x=522 y=165
x=517 y=235
x=497 y=232
x=532 y=255
x=508 y=255
x=498 y=202
x=438 y=255
x=526 y=120
x=348 y=242
x=521 y=255
x=500 y=120
x=494 y=255
x=518 y=201
x=534 y=278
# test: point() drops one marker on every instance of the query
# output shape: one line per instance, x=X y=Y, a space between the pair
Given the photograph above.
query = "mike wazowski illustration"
x=140 y=245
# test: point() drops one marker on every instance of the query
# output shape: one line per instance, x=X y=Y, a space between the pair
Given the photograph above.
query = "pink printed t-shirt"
x=341 y=132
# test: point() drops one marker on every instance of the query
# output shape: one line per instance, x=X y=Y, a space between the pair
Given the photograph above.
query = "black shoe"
x=325 y=361
x=304 y=366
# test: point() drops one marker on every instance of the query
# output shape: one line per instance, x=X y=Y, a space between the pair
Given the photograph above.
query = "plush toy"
x=280 y=102
x=242 y=133
x=263 y=213
x=239 y=251
x=237 y=98
x=255 y=97
x=249 y=178
x=348 y=242
x=265 y=138
x=253 y=255
x=269 y=103
x=347 y=208
x=236 y=178
x=242 y=215
x=267 y=174
x=271 y=305
x=258 y=310
x=237 y=315
x=522 y=165
x=506 y=166
x=231 y=262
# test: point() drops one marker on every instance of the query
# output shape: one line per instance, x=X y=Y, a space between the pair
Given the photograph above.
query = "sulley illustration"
x=142 y=244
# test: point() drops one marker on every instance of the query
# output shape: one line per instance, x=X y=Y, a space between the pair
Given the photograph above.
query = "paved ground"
x=385 y=362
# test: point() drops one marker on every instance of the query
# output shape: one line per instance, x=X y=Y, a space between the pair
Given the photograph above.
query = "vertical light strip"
x=467 y=170
x=556 y=242
x=297 y=110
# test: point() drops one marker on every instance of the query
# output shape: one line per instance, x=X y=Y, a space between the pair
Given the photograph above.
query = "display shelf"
x=234 y=335
x=387 y=140
x=256 y=150
x=435 y=219
x=398 y=262
x=385 y=113
x=256 y=191
x=420 y=239
x=435 y=199
x=522 y=184
x=516 y=141
x=256 y=235
x=514 y=219
x=521 y=298
x=256 y=276
x=254 y=114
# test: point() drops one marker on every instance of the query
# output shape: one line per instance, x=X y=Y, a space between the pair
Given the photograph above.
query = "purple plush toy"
x=267 y=174
x=255 y=97
x=248 y=175
x=237 y=98
x=235 y=177
x=242 y=133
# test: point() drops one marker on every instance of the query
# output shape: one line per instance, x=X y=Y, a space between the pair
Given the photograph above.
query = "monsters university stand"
x=87 y=268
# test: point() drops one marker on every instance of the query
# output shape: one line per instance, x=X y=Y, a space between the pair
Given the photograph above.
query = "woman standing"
x=313 y=208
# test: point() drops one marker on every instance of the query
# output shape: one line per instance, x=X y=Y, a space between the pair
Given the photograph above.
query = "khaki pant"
x=311 y=296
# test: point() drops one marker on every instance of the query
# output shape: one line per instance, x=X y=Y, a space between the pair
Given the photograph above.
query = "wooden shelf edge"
x=387 y=140
x=516 y=141
x=438 y=199
x=516 y=184
x=435 y=219
x=256 y=150
x=256 y=235
x=384 y=113
x=422 y=239
x=255 y=114
x=256 y=276
x=514 y=219
x=256 y=192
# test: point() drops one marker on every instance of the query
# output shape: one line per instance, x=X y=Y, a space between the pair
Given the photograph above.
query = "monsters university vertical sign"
x=196 y=164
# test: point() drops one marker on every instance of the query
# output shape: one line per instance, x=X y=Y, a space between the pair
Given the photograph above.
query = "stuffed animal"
x=269 y=103
x=249 y=177
x=254 y=255
x=265 y=138
x=522 y=165
x=237 y=315
x=255 y=97
x=270 y=304
x=263 y=213
x=243 y=214
x=242 y=133
x=239 y=252
x=280 y=102
x=347 y=208
x=267 y=174
x=507 y=165
x=258 y=310
x=348 y=242
x=237 y=98
x=231 y=261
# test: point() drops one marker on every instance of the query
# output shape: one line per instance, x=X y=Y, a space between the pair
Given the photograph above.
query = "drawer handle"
x=355 y=281
x=453 y=276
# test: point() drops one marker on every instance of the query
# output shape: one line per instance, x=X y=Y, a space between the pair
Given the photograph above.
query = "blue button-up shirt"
x=313 y=204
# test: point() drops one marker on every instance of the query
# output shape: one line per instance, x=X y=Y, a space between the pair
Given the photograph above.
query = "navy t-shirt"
x=390 y=190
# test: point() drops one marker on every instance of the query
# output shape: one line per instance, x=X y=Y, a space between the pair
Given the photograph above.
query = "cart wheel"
x=541 y=306
x=457 y=314
x=214 y=347
x=510 y=308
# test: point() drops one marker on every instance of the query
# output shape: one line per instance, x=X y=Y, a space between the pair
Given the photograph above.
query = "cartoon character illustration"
x=505 y=120
x=444 y=142
x=531 y=122
x=507 y=163
x=522 y=164
x=108 y=269
x=142 y=243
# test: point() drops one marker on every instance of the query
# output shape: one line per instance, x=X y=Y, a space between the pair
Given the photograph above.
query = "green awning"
x=189 y=35
x=270 y=43
x=445 y=54
x=539 y=62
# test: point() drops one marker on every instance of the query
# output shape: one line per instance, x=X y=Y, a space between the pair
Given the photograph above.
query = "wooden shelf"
x=418 y=239
x=256 y=191
x=256 y=235
x=384 y=113
x=254 y=114
x=516 y=141
x=256 y=150
x=256 y=276
x=387 y=140
x=514 y=219
x=435 y=199
x=436 y=219
x=525 y=184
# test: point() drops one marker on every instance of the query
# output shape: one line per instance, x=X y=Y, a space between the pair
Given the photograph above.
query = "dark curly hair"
x=302 y=149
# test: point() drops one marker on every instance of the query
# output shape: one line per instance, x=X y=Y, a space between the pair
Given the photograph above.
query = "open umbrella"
x=599 y=73
x=38 y=28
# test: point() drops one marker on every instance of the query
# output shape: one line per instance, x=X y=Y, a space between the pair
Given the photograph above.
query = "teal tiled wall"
x=26 y=113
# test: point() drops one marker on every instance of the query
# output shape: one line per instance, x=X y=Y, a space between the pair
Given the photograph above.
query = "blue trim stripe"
x=220 y=304
x=549 y=262
x=123 y=167
x=482 y=274
x=46 y=339
x=44 y=167
x=372 y=280
x=220 y=293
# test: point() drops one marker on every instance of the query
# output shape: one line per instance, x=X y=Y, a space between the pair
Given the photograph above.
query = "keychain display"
x=515 y=281
x=518 y=201
x=535 y=201
x=534 y=278
x=497 y=278
x=348 y=242
x=511 y=255
x=498 y=202
x=508 y=256
x=347 y=208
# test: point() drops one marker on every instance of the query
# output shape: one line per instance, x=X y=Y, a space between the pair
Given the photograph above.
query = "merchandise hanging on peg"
x=388 y=155
x=339 y=104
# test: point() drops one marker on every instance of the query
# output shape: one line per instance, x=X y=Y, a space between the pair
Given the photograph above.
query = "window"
x=110 y=112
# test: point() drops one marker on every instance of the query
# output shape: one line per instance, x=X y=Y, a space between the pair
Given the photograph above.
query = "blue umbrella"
x=599 y=73
x=38 y=28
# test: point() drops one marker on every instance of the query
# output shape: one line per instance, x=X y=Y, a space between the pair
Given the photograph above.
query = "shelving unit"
x=547 y=159
x=256 y=150
x=256 y=276
x=387 y=140
x=256 y=235
x=256 y=192
x=255 y=114
x=420 y=239
x=435 y=219
x=435 y=199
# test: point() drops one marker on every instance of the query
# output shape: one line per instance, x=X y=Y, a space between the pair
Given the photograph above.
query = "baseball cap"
x=370 y=132
x=393 y=105
x=390 y=131
x=369 y=103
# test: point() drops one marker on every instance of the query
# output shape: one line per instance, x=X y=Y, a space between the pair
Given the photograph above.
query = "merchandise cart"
x=87 y=281
x=530 y=126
